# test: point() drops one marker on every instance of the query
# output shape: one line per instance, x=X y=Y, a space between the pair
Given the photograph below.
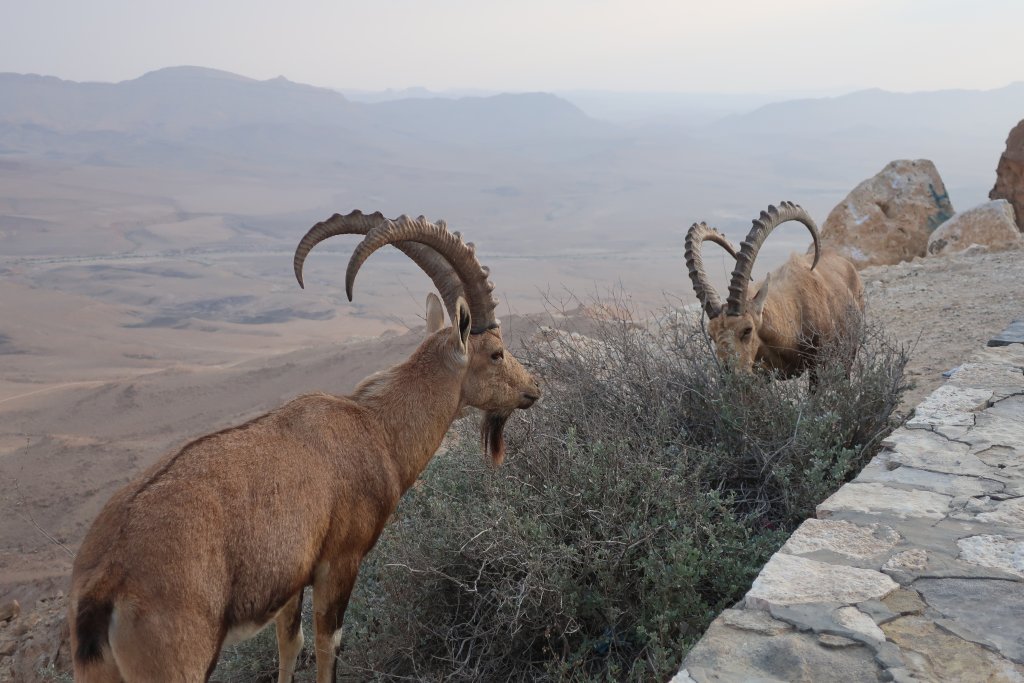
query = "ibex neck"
x=415 y=402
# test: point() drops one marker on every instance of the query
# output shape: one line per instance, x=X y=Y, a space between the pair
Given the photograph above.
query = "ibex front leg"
x=289 y=637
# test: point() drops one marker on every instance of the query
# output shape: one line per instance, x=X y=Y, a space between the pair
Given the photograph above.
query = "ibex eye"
x=498 y=355
x=747 y=332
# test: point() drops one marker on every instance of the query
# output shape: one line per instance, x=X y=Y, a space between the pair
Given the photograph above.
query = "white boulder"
x=888 y=218
x=991 y=225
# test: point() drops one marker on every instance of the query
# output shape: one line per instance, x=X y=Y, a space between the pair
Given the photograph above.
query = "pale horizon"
x=471 y=90
x=790 y=47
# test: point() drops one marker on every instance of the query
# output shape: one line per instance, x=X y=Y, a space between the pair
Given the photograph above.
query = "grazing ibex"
x=213 y=542
x=798 y=308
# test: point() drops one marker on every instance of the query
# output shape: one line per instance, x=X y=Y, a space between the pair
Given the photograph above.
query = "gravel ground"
x=946 y=308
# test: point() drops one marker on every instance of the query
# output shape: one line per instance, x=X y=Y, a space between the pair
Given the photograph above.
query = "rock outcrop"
x=991 y=225
x=34 y=645
x=1010 y=174
x=888 y=218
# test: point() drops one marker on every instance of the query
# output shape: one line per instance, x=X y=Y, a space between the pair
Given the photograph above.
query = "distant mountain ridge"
x=525 y=149
x=195 y=96
x=932 y=110
x=203 y=112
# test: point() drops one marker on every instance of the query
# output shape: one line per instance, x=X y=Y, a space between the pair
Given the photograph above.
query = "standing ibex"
x=798 y=308
x=213 y=542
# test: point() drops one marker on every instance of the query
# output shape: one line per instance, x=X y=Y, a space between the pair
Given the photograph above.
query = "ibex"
x=213 y=542
x=798 y=308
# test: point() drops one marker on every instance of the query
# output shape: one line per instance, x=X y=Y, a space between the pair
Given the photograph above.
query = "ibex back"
x=213 y=542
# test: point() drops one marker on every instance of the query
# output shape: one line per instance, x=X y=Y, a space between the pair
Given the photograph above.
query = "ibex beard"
x=214 y=541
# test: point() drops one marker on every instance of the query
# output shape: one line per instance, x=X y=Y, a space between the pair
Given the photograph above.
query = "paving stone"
x=728 y=655
x=987 y=376
x=964 y=633
x=914 y=559
x=877 y=498
x=845 y=538
x=952 y=432
x=1013 y=334
x=939 y=482
x=788 y=580
x=933 y=655
x=899 y=675
x=682 y=677
x=877 y=610
x=950 y=405
x=1011 y=407
x=1008 y=460
x=998 y=552
x=818 y=617
x=941 y=565
x=927 y=450
x=979 y=504
x=855 y=620
x=829 y=640
x=997 y=427
x=990 y=608
x=755 y=620
x=1012 y=355
x=889 y=656
x=1007 y=512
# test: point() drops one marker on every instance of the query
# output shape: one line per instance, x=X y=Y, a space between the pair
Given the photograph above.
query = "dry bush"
x=640 y=498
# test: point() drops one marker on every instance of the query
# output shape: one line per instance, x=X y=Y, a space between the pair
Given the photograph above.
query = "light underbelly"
x=241 y=632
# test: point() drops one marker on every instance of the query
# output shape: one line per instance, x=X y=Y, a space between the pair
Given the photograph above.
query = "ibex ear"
x=762 y=295
x=435 y=314
x=462 y=324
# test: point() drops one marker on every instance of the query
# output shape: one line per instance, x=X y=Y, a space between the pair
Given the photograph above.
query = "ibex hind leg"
x=98 y=671
x=331 y=591
x=151 y=647
x=289 y=637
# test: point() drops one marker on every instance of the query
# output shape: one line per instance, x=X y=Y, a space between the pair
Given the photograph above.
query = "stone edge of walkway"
x=912 y=571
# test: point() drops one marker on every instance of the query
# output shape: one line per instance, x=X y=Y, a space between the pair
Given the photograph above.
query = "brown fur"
x=793 y=313
x=228 y=531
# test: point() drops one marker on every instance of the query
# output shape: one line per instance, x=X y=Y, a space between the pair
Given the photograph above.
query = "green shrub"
x=638 y=500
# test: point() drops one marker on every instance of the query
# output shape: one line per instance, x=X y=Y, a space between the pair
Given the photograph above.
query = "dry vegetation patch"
x=640 y=498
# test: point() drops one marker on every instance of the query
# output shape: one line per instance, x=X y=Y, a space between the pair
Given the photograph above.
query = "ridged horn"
x=358 y=223
x=706 y=294
x=460 y=255
x=762 y=227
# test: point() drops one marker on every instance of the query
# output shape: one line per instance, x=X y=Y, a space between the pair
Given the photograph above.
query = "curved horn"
x=759 y=231
x=461 y=255
x=358 y=223
x=706 y=294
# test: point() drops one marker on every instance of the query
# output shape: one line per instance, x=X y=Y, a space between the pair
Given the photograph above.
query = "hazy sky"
x=648 y=45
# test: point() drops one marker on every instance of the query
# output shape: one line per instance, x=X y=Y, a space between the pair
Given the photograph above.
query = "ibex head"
x=491 y=378
x=735 y=327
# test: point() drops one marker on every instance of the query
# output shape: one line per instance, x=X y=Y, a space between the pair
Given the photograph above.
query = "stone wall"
x=914 y=571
